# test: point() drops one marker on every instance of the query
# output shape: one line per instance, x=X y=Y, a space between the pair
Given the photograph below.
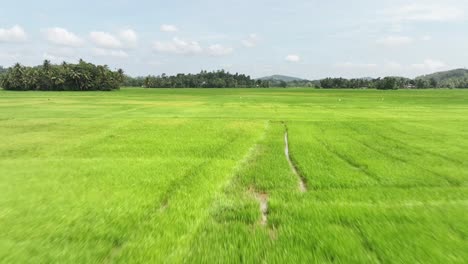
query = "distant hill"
x=457 y=78
x=452 y=75
x=280 y=78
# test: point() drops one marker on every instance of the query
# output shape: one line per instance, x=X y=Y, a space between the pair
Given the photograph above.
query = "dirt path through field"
x=263 y=199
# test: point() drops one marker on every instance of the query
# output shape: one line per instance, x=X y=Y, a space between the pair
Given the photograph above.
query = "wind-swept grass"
x=196 y=175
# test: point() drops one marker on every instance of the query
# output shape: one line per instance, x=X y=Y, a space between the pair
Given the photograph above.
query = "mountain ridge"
x=459 y=73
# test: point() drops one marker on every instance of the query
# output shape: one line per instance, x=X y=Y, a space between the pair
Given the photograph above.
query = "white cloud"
x=62 y=37
x=178 y=46
x=426 y=12
x=293 y=58
x=395 y=40
x=110 y=53
x=219 y=50
x=168 y=28
x=13 y=34
x=184 y=47
x=129 y=37
x=430 y=64
x=251 y=41
x=105 y=40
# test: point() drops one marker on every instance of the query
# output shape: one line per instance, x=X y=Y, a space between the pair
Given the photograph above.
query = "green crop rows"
x=201 y=176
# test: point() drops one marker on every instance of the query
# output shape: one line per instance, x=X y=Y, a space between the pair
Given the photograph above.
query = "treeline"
x=130 y=81
x=215 y=79
x=204 y=79
x=294 y=83
x=387 y=83
x=391 y=83
x=83 y=76
x=223 y=79
x=452 y=83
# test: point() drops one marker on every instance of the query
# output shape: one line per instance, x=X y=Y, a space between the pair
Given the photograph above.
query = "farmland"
x=201 y=175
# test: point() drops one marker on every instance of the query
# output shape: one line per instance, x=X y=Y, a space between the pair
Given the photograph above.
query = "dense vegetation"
x=87 y=76
x=83 y=76
x=292 y=83
x=2 y=73
x=130 y=81
x=287 y=81
x=222 y=79
x=204 y=79
x=448 y=79
x=387 y=83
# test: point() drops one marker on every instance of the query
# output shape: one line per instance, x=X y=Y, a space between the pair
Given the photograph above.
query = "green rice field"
x=234 y=176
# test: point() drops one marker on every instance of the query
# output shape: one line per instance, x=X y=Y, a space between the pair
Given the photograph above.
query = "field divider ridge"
x=294 y=169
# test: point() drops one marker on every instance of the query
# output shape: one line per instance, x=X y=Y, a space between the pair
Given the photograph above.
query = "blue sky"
x=310 y=39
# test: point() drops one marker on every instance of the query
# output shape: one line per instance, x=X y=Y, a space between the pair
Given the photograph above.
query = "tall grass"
x=164 y=175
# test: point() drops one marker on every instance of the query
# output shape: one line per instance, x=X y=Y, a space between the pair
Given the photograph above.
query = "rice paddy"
x=234 y=175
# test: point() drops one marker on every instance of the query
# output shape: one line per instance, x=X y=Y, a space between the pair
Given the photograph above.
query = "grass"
x=173 y=176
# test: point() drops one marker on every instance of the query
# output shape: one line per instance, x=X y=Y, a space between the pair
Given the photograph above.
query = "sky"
x=308 y=39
